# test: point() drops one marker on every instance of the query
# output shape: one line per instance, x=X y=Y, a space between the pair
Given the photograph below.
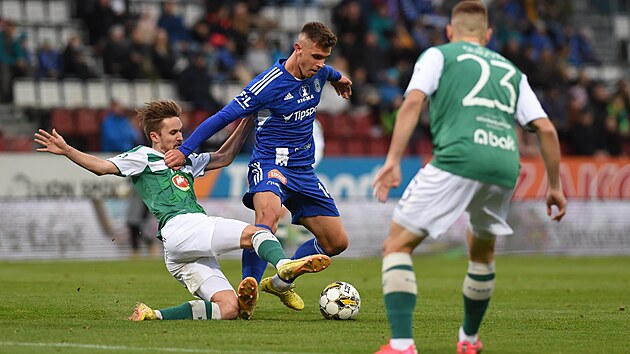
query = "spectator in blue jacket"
x=117 y=132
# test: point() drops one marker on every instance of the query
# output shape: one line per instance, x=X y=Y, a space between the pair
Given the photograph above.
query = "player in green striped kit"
x=192 y=240
x=474 y=97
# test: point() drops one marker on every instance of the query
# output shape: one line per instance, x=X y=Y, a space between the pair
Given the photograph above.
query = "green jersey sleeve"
x=132 y=162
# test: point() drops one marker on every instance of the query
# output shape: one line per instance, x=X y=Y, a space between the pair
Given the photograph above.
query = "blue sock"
x=251 y=264
x=308 y=248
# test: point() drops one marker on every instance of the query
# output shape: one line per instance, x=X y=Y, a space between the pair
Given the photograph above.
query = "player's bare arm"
x=228 y=151
x=343 y=87
x=55 y=144
x=550 y=150
x=389 y=176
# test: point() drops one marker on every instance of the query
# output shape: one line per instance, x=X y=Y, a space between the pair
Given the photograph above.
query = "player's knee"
x=229 y=310
x=389 y=247
x=336 y=247
x=401 y=243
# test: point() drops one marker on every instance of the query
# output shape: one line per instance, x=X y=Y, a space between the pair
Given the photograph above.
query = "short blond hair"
x=470 y=17
x=153 y=114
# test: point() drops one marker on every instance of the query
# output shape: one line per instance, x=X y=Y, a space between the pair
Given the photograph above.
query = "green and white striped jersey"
x=475 y=94
x=166 y=192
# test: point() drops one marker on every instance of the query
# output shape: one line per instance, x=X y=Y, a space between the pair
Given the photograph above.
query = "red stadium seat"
x=62 y=120
x=89 y=128
x=343 y=126
x=334 y=147
x=362 y=126
x=20 y=143
x=196 y=118
x=355 y=147
x=378 y=146
x=423 y=146
x=88 y=122
x=326 y=122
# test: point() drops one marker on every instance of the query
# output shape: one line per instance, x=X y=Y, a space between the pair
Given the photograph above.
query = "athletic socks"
x=191 y=310
x=251 y=264
x=309 y=248
x=477 y=289
x=268 y=247
x=401 y=291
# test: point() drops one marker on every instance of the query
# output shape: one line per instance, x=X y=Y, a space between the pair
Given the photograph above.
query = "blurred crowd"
x=379 y=42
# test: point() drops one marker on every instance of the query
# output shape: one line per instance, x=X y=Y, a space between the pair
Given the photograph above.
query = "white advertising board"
x=81 y=228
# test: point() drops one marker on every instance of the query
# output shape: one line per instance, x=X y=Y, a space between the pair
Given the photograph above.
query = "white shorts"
x=191 y=244
x=435 y=199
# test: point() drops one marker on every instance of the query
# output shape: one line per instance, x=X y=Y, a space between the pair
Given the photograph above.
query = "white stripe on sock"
x=396 y=259
x=198 y=308
x=216 y=311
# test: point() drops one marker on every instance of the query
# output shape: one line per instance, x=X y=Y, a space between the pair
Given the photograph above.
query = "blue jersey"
x=285 y=107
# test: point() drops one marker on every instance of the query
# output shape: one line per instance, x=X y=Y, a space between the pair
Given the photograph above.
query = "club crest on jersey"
x=277 y=175
x=180 y=182
x=318 y=85
x=305 y=93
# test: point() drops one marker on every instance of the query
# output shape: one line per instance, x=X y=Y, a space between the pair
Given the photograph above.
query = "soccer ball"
x=340 y=301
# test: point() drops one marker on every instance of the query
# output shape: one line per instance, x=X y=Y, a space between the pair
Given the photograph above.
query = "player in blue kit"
x=285 y=99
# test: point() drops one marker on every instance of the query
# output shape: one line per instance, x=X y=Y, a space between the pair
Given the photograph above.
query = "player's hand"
x=53 y=143
x=556 y=197
x=174 y=159
x=343 y=87
x=388 y=177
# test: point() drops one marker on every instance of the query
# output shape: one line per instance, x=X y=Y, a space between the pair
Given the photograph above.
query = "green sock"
x=192 y=310
x=401 y=291
x=267 y=247
x=477 y=289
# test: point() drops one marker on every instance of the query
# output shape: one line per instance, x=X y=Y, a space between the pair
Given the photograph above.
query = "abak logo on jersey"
x=180 y=182
x=483 y=137
x=305 y=92
x=277 y=175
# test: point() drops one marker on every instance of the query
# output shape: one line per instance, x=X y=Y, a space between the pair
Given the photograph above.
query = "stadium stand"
x=563 y=45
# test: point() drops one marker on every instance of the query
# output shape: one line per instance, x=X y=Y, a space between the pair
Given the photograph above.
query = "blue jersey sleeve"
x=333 y=75
x=243 y=105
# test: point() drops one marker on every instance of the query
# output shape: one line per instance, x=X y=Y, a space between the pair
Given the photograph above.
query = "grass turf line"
x=540 y=304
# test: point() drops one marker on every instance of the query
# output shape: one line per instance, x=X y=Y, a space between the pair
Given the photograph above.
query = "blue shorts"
x=299 y=190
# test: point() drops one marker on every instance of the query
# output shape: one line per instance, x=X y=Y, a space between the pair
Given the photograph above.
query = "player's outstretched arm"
x=550 y=150
x=55 y=144
x=228 y=151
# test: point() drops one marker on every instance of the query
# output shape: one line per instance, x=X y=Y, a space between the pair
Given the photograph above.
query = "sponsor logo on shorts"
x=277 y=175
x=180 y=182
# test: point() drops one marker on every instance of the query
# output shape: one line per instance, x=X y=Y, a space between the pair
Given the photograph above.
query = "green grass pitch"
x=540 y=305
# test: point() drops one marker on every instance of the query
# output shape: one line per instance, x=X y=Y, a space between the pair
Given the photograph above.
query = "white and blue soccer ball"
x=340 y=301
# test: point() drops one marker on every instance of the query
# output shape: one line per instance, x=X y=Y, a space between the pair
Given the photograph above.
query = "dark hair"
x=471 y=7
x=155 y=112
x=320 y=34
